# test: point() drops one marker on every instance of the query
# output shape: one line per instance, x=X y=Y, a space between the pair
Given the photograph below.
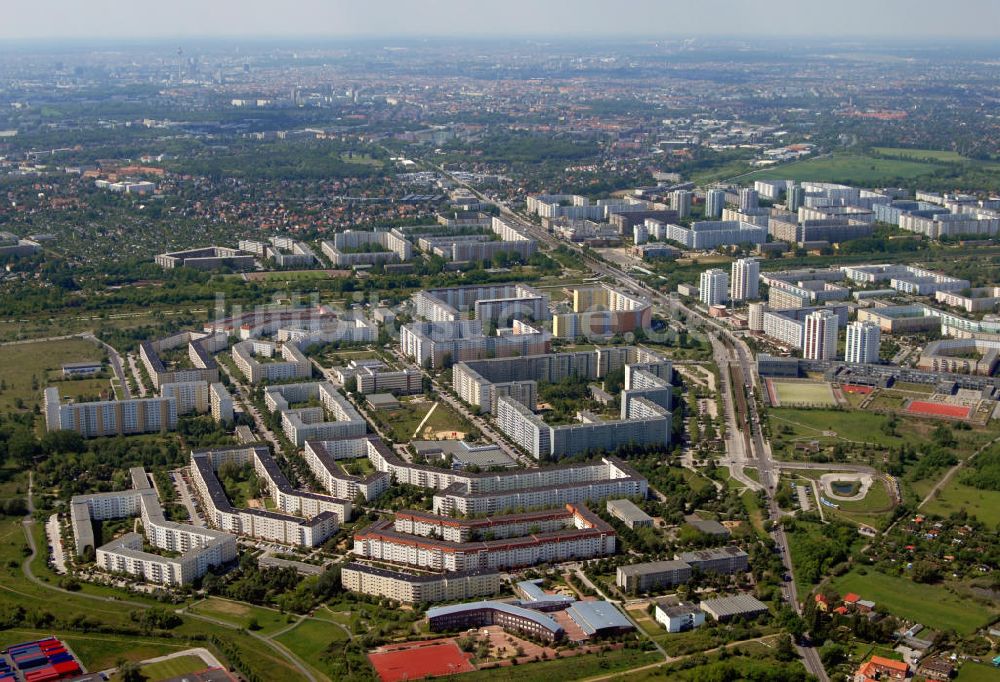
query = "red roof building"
x=879 y=668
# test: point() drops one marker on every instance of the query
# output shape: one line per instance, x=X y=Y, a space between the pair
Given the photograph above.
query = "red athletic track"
x=854 y=388
x=429 y=660
x=939 y=409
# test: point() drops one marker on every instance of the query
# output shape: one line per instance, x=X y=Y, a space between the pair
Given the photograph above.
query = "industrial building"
x=724 y=609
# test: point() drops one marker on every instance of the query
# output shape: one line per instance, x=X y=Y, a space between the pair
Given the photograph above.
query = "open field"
x=933 y=605
x=293 y=275
x=93 y=604
x=848 y=168
x=804 y=393
x=920 y=154
x=309 y=641
x=42 y=361
x=240 y=614
x=174 y=667
x=976 y=672
x=983 y=504
x=443 y=422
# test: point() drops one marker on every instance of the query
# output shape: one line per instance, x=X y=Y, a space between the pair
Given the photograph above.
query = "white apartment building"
x=414 y=589
x=863 y=340
x=190 y=396
x=220 y=402
x=745 y=279
x=749 y=199
x=110 y=417
x=715 y=201
x=255 y=359
x=819 y=340
x=714 y=287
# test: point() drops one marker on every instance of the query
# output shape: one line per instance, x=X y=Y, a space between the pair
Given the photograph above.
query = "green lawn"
x=95 y=650
x=920 y=154
x=240 y=614
x=804 y=393
x=310 y=639
x=851 y=425
x=752 y=505
x=101 y=650
x=174 y=667
x=404 y=422
x=977 y=672
x=847 y=168
x=933 y=605
x=41 y=360
x=983 y=504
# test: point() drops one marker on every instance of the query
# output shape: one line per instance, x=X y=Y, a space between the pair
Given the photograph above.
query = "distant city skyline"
x=103 y=19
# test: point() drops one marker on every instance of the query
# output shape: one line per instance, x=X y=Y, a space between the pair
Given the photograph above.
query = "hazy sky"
x=29 y=19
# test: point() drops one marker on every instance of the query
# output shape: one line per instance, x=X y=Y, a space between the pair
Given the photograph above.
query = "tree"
x=785 y=651
x=832 y=653
x=129 y=671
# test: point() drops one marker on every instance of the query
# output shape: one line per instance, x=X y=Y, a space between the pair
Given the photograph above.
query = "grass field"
x=40 y=360
x=804 y=393
x=310 y=639
x=983 y=504
x=847 y=168
x=921 y=154
x=864 y=427
x=240 y=614
x=174 y=667
x=870 y=511
x=932 y=605
x=98 y=650
x=404 y=421
x=976 y=672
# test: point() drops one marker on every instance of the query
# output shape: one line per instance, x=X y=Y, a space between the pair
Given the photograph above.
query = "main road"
x=729 y=350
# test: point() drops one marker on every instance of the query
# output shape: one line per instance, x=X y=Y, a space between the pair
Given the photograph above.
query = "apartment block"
x=419 y=588
x=110 y=417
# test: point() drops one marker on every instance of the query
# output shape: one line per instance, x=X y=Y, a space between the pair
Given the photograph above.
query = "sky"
x=117 y=19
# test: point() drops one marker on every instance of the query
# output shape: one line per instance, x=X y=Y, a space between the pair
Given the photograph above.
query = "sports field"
x=931 y=409
x=803 y=393
x=429 y=660
x=173 y=667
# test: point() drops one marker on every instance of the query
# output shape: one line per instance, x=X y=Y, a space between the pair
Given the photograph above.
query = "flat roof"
x=629 y=509
x=727 y=552
x=532 y=590
x=734 y=606
x=707 y=526
x=650 y=567
x=594 y=616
